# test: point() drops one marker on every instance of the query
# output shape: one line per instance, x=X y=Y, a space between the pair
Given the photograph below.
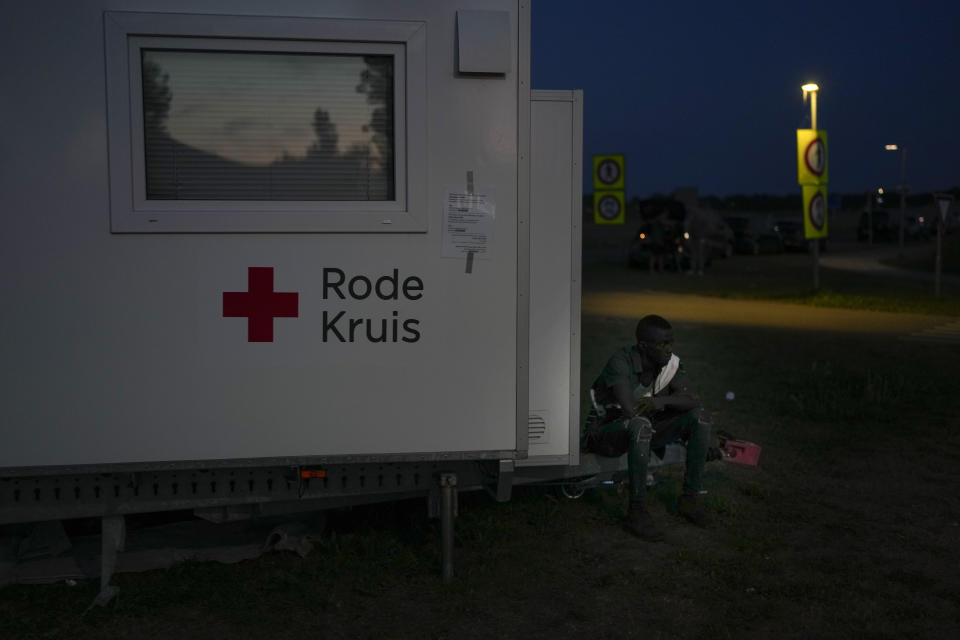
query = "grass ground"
x=789 y=278
x=849 y=528
x=950 y=258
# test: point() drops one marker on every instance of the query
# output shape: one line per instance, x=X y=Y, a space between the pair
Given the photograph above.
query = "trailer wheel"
x=572 y=491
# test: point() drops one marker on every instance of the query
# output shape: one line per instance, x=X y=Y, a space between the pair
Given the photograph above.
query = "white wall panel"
x=115 y=348
x=556 y=124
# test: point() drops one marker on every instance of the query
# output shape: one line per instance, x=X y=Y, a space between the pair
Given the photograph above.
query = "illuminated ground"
x=686 y=308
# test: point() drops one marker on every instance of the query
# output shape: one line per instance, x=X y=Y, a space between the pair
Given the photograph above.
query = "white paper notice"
x=467 y=225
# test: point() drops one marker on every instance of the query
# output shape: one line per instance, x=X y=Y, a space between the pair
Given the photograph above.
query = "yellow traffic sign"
x=811 y=156
x=608 y=207
x=814 y=211
x=608 y=172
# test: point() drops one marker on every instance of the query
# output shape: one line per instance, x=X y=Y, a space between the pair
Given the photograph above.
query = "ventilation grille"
x=537 y=428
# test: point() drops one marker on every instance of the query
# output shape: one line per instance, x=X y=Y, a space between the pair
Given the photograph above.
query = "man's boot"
x=639 y=523
x=691 y=508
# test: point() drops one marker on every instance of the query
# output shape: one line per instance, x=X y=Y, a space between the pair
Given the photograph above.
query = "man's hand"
x=677 y=402
x=646 y=406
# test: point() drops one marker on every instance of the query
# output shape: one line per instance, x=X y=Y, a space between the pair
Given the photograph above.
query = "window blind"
x=225 y=125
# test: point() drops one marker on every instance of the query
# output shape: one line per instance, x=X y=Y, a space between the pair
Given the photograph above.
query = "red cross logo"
x=260 y=305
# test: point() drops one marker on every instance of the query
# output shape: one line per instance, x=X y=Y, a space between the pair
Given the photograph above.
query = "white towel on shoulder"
x=666 y=375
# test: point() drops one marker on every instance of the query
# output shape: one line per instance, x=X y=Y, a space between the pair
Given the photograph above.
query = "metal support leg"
x=113 y=534
x=114 y=537
x=448 y=511
x=504 y=482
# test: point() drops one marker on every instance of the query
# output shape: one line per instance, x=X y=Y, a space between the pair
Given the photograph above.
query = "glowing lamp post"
x=902 y=187
x=812 y=176
x=812 y=89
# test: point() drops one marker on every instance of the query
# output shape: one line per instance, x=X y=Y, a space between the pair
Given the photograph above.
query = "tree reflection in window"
x=268 y=126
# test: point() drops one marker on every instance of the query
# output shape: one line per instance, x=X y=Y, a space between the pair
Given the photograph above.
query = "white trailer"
x=271 y=257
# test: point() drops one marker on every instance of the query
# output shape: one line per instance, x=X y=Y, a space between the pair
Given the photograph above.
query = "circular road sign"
x=817 y=211
x=608 y=171
x=815 y=157
x=608 y=207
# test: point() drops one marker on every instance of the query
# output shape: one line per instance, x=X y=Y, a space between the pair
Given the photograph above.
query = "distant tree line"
x=763 y=202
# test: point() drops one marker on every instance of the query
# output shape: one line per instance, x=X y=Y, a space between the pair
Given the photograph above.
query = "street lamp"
x=812 y=89
x=902 y=187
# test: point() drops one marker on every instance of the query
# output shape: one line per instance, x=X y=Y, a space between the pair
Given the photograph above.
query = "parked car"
x=883 y=228
x=953 y=222
x=886 y=227
x=793 y=236
x=916 y=228
x=754 y=235
x=672 y=253
x=674 y=248
x=719 y=238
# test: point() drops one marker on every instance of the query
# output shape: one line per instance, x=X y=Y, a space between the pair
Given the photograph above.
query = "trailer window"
x=221 y=125
x=236 y=123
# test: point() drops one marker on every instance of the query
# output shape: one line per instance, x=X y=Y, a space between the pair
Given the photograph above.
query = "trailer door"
x=556 y=149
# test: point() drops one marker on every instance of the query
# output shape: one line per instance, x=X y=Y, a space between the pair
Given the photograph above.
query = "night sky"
x=707 y=94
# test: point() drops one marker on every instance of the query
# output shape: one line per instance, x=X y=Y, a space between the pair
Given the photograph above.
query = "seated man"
x=641 y=402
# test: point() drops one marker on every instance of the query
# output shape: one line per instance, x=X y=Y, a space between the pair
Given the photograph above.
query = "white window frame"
x=127 y=34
